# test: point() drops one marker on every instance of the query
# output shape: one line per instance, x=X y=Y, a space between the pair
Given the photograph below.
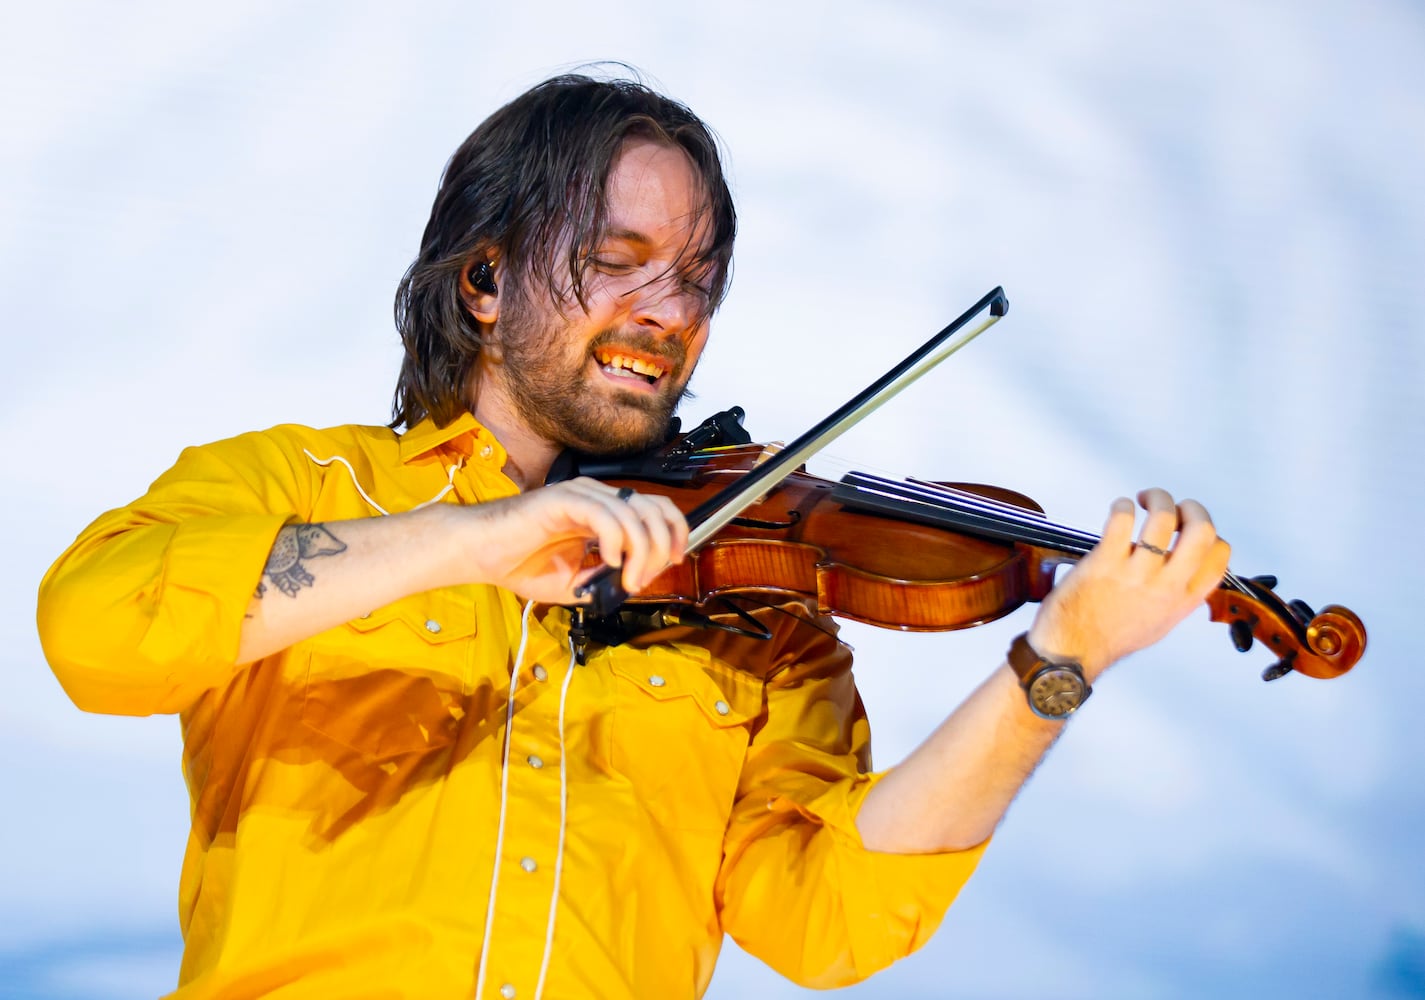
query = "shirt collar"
x=464 y=434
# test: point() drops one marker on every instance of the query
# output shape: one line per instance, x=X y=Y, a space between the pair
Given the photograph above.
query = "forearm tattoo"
x=296 y=543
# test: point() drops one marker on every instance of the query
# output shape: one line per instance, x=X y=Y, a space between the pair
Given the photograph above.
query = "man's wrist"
x=1054 y=687
x=1057 y=649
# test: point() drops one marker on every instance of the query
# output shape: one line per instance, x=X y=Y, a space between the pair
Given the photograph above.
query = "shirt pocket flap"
x=394 y=681
x=436 y=616
x=726 y=697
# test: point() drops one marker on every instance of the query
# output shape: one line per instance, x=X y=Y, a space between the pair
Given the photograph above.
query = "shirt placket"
x=528 y=857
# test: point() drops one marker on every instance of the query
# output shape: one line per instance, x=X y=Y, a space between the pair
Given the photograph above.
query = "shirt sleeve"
x=798 y=888
x=142 y=613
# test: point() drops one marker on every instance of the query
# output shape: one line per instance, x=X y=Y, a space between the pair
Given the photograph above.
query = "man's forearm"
x=320 y=575
x=1121 y=597
x=535 y=544
x=952 y=791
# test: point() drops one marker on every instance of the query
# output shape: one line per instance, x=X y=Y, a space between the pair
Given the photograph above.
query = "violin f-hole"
x=793 y=517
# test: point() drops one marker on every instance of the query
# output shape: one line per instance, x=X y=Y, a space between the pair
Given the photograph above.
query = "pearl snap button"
x=534 y=762
x=540 y=674
x=722 y=707
x=656 y=681
x=528 y=864
x=432 y=626
x=486 y=452
x=507 y=991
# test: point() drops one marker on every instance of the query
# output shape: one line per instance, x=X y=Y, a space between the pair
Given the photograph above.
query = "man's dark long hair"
x=527 y=186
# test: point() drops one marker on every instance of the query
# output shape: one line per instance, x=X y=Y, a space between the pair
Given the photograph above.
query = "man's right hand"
x=536 y=544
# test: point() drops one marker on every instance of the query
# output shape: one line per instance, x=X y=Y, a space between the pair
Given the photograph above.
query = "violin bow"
x=604 y=591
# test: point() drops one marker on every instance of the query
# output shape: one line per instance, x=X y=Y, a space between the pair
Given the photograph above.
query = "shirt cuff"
x=212 y=567
x=895 y=901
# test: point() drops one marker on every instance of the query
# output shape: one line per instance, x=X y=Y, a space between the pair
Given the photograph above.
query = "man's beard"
x=546 y=380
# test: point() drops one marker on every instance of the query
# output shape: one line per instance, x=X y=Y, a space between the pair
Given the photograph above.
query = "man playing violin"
x=402 y=782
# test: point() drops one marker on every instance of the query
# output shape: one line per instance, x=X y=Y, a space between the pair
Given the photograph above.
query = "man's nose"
x=664 y=306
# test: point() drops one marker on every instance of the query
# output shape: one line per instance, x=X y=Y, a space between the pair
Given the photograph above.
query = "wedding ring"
x=624 y=492
x=1151 y=548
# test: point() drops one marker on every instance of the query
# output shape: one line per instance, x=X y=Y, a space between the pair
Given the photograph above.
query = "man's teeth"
x=622 y=362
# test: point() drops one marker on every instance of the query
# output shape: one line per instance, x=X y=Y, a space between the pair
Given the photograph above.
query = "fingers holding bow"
x=639 y=532
x=538 y=543
x=654 y=536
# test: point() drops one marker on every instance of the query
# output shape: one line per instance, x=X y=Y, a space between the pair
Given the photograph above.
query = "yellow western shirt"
x=372 y=816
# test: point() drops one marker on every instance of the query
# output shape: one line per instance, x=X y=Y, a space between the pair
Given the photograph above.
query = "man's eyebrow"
x=620 y=234
x=628 y=236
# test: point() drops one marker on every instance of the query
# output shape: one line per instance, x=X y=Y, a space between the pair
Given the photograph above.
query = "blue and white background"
x=1209 y=218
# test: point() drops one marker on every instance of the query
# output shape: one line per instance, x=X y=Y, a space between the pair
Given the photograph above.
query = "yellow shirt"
x=359 y=827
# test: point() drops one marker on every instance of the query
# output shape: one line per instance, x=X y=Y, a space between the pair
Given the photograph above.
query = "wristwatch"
x=1054 y=689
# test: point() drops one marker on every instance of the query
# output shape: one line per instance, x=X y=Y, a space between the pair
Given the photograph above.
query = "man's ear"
x=479 y=290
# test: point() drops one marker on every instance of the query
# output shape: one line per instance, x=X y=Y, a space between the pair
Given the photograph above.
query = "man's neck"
x=528 y=455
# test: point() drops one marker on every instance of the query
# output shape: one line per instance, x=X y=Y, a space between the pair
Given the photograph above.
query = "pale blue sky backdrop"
x=1210 y=221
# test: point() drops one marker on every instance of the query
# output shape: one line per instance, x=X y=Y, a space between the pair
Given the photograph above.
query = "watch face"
x=1054 y=692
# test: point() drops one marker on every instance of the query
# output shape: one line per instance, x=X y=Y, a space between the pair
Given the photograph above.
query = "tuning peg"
x=1302 y=611
x=1241 y=633
x=1266 y=580
x=1279 y=669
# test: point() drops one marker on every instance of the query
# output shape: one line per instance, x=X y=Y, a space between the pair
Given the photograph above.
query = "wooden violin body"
x=799 y=541
x=926 y=557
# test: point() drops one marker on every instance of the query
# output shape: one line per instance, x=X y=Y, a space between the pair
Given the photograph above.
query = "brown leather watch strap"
x=1023 y=659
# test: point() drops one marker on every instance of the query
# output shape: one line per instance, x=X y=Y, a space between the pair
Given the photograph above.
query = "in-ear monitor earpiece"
x=482 y=278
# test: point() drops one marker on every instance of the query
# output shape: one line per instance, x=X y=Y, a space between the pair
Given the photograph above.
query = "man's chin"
x=635 y=426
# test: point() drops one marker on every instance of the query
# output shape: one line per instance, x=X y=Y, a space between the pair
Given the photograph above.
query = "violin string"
x=969 y=520
x=1088 y=539
x=934 y=494
x=940 y=496
x=1076 y=539
x=1000 y=512
x=1072 y=539
x=1011 y=512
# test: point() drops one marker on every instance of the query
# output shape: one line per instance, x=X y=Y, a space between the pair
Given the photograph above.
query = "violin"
x=908 y=555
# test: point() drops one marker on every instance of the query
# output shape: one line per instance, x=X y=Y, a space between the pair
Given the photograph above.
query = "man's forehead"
x=656 y=199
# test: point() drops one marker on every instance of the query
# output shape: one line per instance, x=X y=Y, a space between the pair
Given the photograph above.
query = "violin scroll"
x=1321 y=645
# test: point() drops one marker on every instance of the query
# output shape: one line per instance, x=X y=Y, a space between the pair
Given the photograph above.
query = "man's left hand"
x=1125 y=595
